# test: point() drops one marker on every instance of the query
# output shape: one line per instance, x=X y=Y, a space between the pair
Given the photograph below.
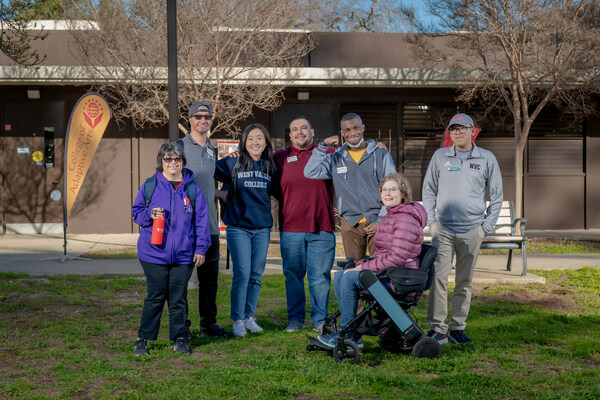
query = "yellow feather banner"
x=86 y=127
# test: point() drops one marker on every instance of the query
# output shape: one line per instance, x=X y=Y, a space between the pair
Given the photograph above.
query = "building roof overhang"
x=303 y=76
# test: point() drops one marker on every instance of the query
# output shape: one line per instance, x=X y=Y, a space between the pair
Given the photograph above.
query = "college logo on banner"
x=86 y=127
x=93 y=112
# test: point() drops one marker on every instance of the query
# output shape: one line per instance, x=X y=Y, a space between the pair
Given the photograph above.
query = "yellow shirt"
x=356 y=156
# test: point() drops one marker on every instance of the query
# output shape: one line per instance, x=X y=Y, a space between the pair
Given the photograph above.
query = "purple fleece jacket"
x=398 y=238
x=183 y=237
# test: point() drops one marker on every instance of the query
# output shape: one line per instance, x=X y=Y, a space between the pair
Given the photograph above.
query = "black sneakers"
x=140 y=348
x=217 y=331
x=180 y=346
x=459 y=337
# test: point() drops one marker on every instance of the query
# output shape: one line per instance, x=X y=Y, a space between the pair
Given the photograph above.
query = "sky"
x=420 y=7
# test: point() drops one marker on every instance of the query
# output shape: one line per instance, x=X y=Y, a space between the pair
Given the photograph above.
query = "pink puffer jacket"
x=399 y=238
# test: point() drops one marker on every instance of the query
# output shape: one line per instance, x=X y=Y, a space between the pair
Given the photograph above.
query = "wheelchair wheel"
x=346 y=349
x=427 y=347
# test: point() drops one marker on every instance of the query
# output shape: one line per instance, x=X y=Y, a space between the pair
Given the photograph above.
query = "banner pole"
x=65 y=243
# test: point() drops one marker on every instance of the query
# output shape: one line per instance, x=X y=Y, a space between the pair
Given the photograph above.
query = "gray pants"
x=466 y=246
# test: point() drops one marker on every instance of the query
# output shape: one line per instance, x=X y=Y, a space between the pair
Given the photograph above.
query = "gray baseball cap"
x=194 y=108
x=461 y=119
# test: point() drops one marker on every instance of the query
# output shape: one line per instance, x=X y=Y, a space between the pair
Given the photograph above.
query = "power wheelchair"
x=386 y=312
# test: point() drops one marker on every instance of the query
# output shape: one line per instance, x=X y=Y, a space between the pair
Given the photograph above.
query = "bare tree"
x=355 y=16
x=235 y=54
x=518 y=54
x=16 y=33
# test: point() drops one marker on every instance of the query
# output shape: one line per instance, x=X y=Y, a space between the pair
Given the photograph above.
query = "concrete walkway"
x=42 y=254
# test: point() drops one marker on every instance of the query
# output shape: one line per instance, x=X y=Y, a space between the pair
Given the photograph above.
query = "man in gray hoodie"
x=355 y=169
x=454 y=192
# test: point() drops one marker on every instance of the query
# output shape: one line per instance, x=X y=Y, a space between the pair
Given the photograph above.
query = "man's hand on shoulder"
x=332 y=141
x=381 y=145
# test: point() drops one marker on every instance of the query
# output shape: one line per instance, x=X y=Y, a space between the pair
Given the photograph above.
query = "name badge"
x=210 y=153
x=342 y=170
x=292 y=159
x=453 y=169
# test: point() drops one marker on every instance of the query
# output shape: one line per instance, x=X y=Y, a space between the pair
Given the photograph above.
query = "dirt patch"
x=487 y=367
x=558 y=299
x=593 y=360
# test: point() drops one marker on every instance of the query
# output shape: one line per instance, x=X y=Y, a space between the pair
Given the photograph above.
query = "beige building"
x=370 y=74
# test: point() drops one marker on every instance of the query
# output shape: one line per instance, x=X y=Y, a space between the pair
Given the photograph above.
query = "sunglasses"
x=168 y=160
x=197 y=117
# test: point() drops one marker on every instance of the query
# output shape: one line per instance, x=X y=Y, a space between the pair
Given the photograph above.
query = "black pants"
x=165 y=283
x=208 y=274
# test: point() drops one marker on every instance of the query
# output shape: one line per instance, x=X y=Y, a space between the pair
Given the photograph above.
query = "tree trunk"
x=519 y=150
x=519 y=168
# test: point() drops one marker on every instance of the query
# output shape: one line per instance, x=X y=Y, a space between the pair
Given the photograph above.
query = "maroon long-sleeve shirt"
x=305 y=205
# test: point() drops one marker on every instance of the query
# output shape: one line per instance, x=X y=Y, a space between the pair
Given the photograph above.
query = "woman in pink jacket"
x=398 y=241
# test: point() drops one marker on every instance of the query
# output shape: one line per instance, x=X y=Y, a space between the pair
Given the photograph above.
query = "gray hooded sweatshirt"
x=355 y=184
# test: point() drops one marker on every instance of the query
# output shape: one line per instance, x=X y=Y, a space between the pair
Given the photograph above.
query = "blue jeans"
x=347 y=287
x=165 y=283
x=248 y=248
x=309 y=254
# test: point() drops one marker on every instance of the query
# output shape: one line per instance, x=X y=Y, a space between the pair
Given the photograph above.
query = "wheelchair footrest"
x=315 y=344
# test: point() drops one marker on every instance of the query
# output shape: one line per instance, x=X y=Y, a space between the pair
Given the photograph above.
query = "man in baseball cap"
x=459 y=220
x=201 y=158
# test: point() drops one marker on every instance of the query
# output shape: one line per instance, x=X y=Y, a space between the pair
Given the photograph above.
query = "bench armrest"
x=521 y=222
x=493 y=230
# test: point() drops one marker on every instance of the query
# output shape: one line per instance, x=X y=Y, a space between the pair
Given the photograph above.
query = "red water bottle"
x=158 y=229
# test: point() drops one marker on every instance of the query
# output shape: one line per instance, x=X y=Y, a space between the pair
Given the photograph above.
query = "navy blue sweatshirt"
x=249 y=200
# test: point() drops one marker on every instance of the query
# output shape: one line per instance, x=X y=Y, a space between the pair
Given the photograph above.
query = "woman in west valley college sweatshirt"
x=251 y=178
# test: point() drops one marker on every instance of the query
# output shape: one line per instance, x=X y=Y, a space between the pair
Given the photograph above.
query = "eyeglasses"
x=169 y=160
x=198 y=117
x=391 y=190
x=455 y=130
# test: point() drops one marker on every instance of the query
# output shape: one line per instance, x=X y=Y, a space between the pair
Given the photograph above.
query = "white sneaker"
x=251 y=325
x=238 y=328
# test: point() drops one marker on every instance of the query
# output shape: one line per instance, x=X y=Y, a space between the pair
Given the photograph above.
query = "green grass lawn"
x=72 y=337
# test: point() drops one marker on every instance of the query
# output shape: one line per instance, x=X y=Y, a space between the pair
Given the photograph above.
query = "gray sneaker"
x=180 y=346
x=294 y=326
x=251 y=325
x=238 y=328
x=140 y=348
x=319 y=329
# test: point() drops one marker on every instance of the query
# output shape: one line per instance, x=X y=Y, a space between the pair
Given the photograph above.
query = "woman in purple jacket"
x=186 y=237
x=398 y=241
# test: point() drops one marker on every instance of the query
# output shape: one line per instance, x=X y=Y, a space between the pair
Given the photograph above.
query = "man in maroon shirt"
x=306 y=228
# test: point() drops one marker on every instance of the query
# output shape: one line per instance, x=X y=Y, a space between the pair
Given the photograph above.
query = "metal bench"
x=507 y=234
